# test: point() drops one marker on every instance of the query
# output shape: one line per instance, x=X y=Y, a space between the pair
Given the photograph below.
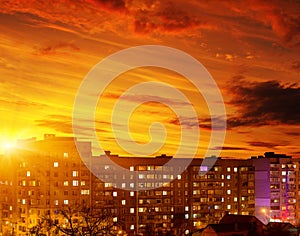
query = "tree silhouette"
x=77 y=221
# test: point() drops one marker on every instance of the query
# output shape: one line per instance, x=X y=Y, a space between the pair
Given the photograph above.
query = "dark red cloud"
x=264 y=103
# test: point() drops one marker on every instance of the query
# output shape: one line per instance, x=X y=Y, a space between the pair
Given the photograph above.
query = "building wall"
x=49 y=174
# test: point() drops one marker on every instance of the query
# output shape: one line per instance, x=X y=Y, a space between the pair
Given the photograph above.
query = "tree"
x=77 y=221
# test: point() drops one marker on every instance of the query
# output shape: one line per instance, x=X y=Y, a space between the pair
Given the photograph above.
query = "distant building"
x=49 y=174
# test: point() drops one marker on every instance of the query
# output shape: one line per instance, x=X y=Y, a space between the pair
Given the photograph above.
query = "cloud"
x=228 y=148
x=167 y=18
x=264 y=103
x=203 y=123
x=117 y=5
x=263 y=144
x=58 y=123
x=57 y=48
x=296 y=66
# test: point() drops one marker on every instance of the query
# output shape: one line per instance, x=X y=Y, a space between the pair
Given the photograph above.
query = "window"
x=228 y=191
x=131 y=168
x=123 y=202
x=228 y=169
x=28 y=173
x=132 y=227
x=75 y=182
x=66 y=154
x=66 y=202
x=186 y=216
x=131 y=194
x=235 y=169
x=178 y=176
x=228 y=177
x=85 y=192
x=66 y=183
x=228 y=207
x=115 y=194
x=55 y=164
x=131 y=210
x=75 y=173
x=235 y=199
x=82 y=183
x=186 y=208
x=56 y=202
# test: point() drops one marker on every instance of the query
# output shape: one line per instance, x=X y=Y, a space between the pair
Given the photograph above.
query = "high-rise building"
x=45 y=176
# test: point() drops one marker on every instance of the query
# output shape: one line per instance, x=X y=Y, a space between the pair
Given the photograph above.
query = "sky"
x=251 y=49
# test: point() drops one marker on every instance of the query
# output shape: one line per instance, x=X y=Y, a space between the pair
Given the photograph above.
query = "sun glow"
x=7 y=145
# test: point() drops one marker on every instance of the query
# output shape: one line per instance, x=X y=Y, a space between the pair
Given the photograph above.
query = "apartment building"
x=172 y=200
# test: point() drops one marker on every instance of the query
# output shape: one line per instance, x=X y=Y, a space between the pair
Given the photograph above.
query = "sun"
x=7 y=146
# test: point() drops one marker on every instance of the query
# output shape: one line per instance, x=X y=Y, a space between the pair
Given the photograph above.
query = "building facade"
x=45 y=176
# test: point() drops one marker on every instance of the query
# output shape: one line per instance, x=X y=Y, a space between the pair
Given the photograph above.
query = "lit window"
x=178 y=176
x=186 y=208
x=28 y=173
x=203 y=168
x=123 y=202
x=106 y=167
x=55 y=164
x=235 y=169
x=216 y=207
x=82 y=183
x=141 y=209
x=228 y=169
x=131 y=194
x=228 y=207
x=56 y=202
x=235 y=199
x=283 y=180
x=186 y=216
x=66 y=154
x=23 y=201
x=66 y=202
x=75 y=182
x=228 y=177
x=132 y=227
x=131 y=185
x=123 y=185
x=283 y=166
x=115 y=194
x=165 y=193
x=75 y=173
x=223 y=199
x=283 y=172
x=85 y=192
x=141 y=176
x=66 y=183
x=228 y=191
x=131 y=210
x=131 y=168
x=115 y=219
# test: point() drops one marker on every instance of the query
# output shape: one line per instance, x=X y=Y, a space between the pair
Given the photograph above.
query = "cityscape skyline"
x=251 y=49
x=50 y=177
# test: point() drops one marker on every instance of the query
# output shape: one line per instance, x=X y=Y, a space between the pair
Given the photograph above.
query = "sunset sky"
x=250 y=47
